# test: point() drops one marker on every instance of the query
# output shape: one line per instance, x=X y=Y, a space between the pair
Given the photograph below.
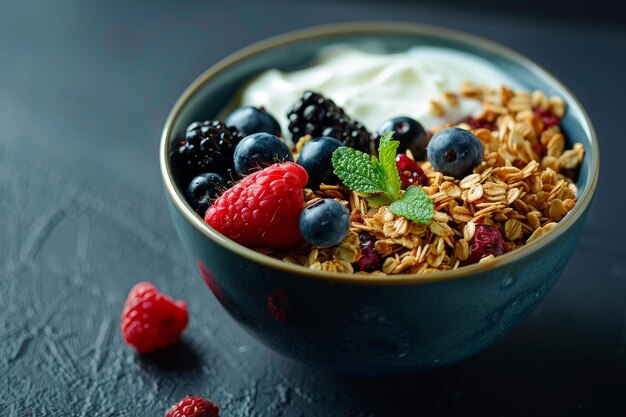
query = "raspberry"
x=487 y=240
x=193 y=407
x=152 y=320
x=370 y=260
x=410 y=172
x=263 y=209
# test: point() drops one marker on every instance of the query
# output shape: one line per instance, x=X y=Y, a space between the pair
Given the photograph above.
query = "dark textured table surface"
x=84 y=92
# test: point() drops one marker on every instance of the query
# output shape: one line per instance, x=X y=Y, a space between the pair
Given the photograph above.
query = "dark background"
x=84 y=93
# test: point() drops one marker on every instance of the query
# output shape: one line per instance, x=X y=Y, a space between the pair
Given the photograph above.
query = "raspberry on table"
x=263 y=209
x=152 y=320
x=193 y=407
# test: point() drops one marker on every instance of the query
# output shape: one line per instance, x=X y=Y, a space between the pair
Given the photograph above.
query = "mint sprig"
x=379 y=180
x=367 y=175
x=357 y=171
x=414 y=205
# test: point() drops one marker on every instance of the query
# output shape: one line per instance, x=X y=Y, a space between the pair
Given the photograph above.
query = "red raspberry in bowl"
x=263 y=209
x=487 y=241
x=193 y=407
x=152 y=320
x=410 y=172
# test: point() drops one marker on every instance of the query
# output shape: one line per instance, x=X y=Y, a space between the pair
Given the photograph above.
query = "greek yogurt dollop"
x=374 y=87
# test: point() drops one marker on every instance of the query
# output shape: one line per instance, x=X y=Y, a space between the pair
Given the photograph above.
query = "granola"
x=524 y=186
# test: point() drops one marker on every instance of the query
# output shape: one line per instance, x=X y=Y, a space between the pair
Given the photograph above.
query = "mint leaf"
x=414 y=205
x=387 y=149
x=358 y=172
x=378 y=179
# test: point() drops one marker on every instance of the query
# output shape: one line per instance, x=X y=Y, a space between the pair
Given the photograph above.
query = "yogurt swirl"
x=374 y=87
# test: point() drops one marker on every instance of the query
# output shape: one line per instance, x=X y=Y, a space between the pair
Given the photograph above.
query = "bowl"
x=360 y=324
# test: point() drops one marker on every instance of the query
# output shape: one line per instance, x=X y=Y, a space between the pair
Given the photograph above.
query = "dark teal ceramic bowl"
x=362 y=324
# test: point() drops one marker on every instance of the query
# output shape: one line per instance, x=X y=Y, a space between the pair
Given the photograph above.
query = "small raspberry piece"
x=370 y=259
x=263 y=209
x=193 y=407
x=410 y=172
x=487 y=240
x=152 y=320
x=478 y=124
x=547 y=118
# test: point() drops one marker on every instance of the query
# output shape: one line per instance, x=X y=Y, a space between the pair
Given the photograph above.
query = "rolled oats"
x=524 y=187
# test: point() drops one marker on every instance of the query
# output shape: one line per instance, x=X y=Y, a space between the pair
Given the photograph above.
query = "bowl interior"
x=212 y=92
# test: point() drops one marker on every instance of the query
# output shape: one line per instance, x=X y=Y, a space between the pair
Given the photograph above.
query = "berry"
x=454 y=152
x=547 y=118
x=262 y=210
x=315 y=115
x=249 y=120
x=324 y=223
x=478 y=124
x=193 y=407
x=487 y=240
x=410 y=133
x=370 y=259
x=410 y=172
x=258 y=151
x=152 y=320
x=208 y=147
x=316 y=158
x=203 y=189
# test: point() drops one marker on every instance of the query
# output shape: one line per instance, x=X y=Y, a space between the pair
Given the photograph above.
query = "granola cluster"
x=524 y=187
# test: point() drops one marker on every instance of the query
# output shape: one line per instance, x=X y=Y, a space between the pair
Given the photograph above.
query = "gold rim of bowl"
x=371 y=28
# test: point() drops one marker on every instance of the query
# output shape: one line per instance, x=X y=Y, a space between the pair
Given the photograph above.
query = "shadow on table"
x=544 y=373
x=180 y=357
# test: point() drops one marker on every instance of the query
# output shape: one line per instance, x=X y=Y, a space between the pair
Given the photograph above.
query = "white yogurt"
x=372 y=88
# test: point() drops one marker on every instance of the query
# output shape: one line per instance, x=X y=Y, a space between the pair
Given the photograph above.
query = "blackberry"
x=315 y=115
x=207 y=147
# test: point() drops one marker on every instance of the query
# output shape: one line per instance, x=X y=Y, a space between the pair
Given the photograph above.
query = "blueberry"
x=455 y=152
x=324 y=223
x=410 y=133
x=203 y=189
x=316 y=158
x=249 y=120
x=258 y=151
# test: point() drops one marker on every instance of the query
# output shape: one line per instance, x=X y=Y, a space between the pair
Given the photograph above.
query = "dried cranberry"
x=370 y=261
x=478 y=124
x=410 y=172
x=487 y=240
x=547 y=118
